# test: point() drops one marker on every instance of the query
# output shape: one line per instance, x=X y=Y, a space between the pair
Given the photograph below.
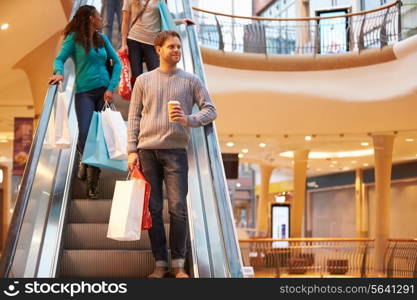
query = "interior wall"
x=333 y=213
x=403 y=209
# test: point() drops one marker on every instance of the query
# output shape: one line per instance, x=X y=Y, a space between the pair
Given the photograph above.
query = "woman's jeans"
x=170 y=166
x=113 y=7
x=139 y=53
x=85 y=104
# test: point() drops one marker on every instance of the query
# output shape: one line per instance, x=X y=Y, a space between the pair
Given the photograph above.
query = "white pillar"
x=298 y=202
x=383 y=146
x=263 y=203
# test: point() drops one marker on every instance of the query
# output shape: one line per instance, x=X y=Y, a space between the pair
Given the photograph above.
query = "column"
x=359 y=203
x=297 y=205
x=303 y=34
x=383 y=146
x=262 y=216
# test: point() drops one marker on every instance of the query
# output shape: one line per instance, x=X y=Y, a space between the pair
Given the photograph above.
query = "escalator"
x=55 y=232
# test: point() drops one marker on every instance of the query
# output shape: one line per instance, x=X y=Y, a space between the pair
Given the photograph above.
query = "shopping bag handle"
x=109 y=106
x=60 y=86
x=137 y=174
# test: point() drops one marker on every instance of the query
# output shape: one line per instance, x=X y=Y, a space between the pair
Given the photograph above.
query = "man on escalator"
x=157 y=142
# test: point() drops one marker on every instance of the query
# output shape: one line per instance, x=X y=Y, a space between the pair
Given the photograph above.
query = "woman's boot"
x=93 y=174
x=82 y=169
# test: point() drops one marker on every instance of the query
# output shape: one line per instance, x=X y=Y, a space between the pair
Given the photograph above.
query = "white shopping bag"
x=58 y=134
x=62 y=135
x=115 y=133
x=126 y=210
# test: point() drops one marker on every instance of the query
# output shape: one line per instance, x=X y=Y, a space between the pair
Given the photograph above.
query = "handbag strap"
x=141 y=12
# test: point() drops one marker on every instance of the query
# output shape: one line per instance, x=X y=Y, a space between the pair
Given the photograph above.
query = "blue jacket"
x=90 y=70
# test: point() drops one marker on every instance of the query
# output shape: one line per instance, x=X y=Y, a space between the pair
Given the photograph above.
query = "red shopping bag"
x=146 y=216
x=125 y=86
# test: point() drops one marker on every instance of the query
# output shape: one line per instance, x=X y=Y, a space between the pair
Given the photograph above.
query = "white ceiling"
x=342 y=108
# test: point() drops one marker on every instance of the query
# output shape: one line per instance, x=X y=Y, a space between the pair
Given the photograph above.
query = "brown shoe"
x=158 y=272
x=180 y=273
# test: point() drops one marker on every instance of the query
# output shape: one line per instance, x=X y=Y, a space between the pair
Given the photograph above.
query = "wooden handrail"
x=403 y=240
x=298 y=19
x=256 y=240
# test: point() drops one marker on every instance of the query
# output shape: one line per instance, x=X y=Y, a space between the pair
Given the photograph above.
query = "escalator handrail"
x=26 y=184
x=217 y=170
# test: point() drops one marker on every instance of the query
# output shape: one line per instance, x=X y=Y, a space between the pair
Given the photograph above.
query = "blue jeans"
x=85 y=104
x=170 y=166
x=113 y=7
x=139 y=53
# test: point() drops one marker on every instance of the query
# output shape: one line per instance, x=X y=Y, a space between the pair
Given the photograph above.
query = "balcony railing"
x=401 y=258
x=324 y=257
x=321 y=35
x=310 y=257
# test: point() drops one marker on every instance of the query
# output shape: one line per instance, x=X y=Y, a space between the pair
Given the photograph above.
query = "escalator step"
x=97 y=211
x=106 y=263
x=94 y=236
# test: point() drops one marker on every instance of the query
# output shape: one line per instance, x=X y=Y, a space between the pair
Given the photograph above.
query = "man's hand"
x=108 y=96
x=56 y=79
x=132 y=160
x=179 y=116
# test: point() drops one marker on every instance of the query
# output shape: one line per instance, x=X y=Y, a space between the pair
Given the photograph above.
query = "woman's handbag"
x=167 y=22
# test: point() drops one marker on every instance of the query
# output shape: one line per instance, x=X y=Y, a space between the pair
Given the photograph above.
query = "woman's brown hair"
x=80 y=25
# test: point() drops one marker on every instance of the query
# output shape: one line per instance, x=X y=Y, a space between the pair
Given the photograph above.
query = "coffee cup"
x=171 y=105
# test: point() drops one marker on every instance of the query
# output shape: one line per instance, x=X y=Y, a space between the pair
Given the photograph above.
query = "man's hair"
x=163 y=36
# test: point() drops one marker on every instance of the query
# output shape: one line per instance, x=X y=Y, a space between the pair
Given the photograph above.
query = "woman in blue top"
x=89 y=50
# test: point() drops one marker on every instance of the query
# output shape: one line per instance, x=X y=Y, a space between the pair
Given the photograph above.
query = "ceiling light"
x=245 y=150
x=230 y=144
x=262 y=145
x=308 y=137
x=324 y=155
x=365 y=144
x=4 y=26
x=353 y=161
x=238 y=185
x=240 y=155
x=345 y=168
x=365 y=164
x=334 y=162
x=318 y=169
x=409 y=140
x=3 y=141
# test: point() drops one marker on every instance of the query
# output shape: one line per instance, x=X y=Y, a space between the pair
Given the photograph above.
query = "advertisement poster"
x=280 y=224
x=23 y=135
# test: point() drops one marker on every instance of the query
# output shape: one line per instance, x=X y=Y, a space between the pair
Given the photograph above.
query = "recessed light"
x=245 y=150
x=409 y=140
x=364 y=144
x=308 y=137
x=238 y=185
x=353 y=161
x=240 y=155
x=365 y=164
x=4 y=26
x=230 y=144
x=318 y=169
x=334 y=162
x=262 y=145
x=3 y=141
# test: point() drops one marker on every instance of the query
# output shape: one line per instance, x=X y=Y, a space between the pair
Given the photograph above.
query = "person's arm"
x=125 y=29
x=117 y=65
x=135 y=115
x=207 y=111
x=67 y=49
